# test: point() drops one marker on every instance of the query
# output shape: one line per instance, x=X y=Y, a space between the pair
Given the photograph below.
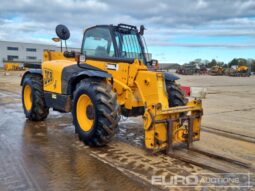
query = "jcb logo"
x=48 y=77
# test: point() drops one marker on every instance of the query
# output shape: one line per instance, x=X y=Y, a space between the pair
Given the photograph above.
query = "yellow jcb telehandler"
x=111 y=76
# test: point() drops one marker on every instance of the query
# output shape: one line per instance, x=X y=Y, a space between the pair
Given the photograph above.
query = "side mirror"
x=62 y=32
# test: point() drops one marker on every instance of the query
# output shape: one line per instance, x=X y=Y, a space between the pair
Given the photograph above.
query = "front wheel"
x=176 y=96
x=95 y=112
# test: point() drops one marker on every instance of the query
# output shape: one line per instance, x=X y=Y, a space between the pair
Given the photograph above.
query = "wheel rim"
x=27 y=97
x=85 y=112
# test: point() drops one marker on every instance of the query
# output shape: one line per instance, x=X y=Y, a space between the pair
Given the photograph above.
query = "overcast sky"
x=177 y=31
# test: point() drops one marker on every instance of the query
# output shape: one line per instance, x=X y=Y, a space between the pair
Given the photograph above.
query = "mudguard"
x=31 y=71
x=94 y=73
x=68 y=82
x=170 y=77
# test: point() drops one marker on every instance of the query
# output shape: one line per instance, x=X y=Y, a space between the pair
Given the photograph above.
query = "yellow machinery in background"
x=216 y=71
x=242 y=69
x=8 y=66
x=111 y=76
x=239 y=71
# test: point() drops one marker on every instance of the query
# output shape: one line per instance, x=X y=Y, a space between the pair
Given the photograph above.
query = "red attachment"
x=186 y=89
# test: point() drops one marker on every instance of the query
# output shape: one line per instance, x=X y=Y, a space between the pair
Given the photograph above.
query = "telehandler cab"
x=111 y=76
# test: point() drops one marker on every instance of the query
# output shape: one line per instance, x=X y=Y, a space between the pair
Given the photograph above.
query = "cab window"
x=128 y=45
x=98 y=43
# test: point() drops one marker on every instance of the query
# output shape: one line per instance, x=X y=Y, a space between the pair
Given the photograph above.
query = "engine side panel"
x=52 y=74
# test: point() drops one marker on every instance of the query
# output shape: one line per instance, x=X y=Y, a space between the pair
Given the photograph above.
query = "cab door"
x=100 y=50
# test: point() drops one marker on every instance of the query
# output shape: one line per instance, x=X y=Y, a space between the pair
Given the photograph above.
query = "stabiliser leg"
x=169 y=124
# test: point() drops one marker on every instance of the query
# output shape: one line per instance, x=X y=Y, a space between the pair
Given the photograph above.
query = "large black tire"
x=105 y=112
x=38 y=111
x=176 y=96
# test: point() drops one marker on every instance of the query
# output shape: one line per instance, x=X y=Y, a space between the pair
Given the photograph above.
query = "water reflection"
x=48 y=156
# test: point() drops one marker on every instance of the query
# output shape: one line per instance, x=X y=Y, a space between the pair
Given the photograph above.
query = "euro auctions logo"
x=191 y=180
x=227 y=180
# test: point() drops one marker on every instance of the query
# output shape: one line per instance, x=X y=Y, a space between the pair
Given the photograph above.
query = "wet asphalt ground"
x=48 y=156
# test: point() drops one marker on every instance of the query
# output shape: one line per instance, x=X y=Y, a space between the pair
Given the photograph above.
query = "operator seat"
x=101 y=52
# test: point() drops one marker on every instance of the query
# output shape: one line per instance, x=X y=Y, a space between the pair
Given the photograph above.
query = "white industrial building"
x=21 y=52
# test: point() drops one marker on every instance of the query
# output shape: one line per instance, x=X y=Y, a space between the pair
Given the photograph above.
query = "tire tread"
x=39 y=110
x=106 y=112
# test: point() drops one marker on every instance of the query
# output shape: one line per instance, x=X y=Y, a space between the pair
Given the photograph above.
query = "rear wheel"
x=176 y=96
x=95 y=112
x=33 y=101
